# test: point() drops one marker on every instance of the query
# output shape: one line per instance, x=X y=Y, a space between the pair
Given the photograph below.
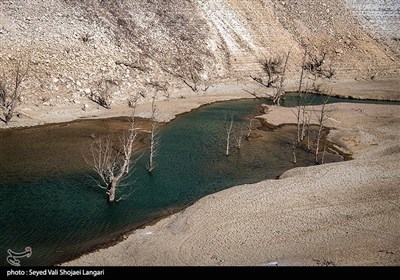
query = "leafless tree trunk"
x=280 y=92
x=308 y=133
x=10 y=93
x=323 y=154
x=239 y=137
x=302 y=71
x=298 y=115
x=153 y=136
x=112 y=162
x=228 y=128
x=321 y=122
x=194 y=80
x=294 y=146
x=249 y=128
x=303 y=125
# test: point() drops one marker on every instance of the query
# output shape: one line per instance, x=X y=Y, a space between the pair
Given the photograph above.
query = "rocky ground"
x=143 y=47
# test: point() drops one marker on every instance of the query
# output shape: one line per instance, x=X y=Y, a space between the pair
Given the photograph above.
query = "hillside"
x=149 y=45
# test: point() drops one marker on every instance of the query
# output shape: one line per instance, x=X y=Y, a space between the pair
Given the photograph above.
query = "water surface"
x=49 y=202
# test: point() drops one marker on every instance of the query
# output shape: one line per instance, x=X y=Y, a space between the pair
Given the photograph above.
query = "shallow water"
x=49 y=202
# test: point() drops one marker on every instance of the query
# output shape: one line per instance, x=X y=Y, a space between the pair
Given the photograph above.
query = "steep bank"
x=157 y=46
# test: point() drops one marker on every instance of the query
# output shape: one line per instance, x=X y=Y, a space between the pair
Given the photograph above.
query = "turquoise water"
x=49 y=202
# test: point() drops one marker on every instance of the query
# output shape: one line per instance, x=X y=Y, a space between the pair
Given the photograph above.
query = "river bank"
x=181 y=100
x=343 y=213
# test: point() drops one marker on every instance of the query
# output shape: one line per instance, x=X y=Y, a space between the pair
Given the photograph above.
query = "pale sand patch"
x=356 y=127
x=345 y=213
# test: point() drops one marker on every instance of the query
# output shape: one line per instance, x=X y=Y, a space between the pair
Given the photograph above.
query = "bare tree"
x=228 y=128
x=316 y=66
x=239 y=137
x=302 y=71
x=186 y=67
x=153 y=136
x=294 y=146
x=10 y=89
x=111 y=160
x=298 y=114
x=249 y=128
x=323 y=154
x=273 y=69
x=308 y=132
x=321 y=122
x=159 y=86
x=191 y=80
x=280 y=92
x=102 y=92
x=305 y=119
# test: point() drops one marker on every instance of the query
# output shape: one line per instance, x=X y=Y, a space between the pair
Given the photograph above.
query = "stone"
x=85 y=106
x=78 y=83
x=339 y=51
x=87 y=91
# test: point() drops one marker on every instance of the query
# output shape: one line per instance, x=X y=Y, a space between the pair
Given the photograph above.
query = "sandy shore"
x=345 y=213
x=180 y=101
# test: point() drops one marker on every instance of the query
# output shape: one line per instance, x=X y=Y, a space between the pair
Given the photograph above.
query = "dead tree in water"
x=301 y=117
x=111 y=160
x=239 y=137
x=307 y=129
x=153 y=136
x=249 y=128
x=10 y=90
x=228 y=128
x=321 y=122
x=294 y=146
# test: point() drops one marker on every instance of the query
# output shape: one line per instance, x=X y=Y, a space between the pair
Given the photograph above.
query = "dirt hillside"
x=148 y=45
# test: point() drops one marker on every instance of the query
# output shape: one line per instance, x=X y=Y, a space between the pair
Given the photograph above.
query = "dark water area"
x=291 y=100
x=49 y=202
